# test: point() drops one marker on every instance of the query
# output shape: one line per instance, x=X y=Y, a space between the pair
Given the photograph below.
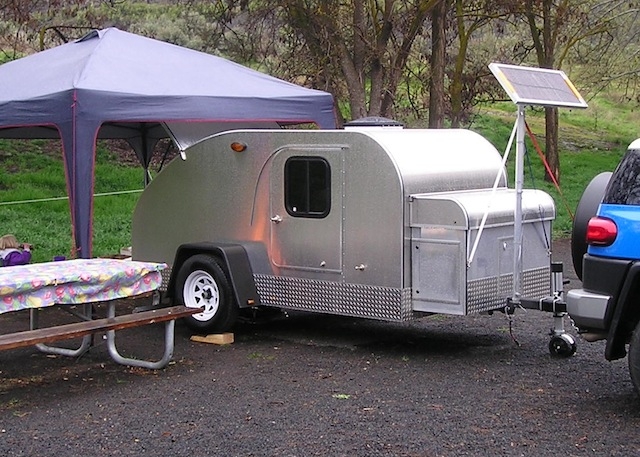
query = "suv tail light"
x=601 y=231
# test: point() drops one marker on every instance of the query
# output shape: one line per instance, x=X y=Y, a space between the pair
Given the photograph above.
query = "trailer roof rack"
x=373 y=121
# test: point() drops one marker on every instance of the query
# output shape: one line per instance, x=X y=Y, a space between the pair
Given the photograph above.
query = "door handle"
x=276 y=219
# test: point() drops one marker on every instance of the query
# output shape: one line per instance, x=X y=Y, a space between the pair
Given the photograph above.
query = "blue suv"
x=606 y=256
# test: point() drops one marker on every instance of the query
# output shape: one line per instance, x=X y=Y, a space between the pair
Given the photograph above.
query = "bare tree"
x=438 y=64
x=558 y=28
x=366 y=43
x=472 y=18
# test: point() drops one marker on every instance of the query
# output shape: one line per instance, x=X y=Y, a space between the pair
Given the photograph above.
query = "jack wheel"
x=562 y=345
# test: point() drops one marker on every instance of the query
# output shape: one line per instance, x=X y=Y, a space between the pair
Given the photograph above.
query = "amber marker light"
x=238 y=147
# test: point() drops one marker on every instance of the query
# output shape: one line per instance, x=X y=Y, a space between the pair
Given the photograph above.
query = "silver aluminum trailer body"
x=394 y=234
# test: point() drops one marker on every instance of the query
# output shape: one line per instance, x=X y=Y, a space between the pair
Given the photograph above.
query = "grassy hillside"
x=591 y=140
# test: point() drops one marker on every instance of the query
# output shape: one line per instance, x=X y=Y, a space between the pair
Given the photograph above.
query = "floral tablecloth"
x=75 y=281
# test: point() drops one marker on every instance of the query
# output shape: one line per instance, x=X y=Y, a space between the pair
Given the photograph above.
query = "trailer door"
x=306 y=211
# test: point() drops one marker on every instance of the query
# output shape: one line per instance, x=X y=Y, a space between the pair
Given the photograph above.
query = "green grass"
x=591 y=141
x=34 y=171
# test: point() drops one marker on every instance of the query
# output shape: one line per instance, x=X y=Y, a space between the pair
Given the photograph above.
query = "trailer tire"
x=202 y=282
x=586 y=209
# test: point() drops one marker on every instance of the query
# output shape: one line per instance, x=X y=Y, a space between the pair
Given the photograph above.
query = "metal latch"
x=277 y=219
x=360 y=267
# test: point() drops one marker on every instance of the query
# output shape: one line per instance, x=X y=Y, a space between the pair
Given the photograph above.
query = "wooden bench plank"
x=79 y=329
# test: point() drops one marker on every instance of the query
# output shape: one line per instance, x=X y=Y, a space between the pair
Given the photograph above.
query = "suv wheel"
x=634 y=358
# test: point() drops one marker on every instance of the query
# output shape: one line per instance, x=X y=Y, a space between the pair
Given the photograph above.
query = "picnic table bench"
x=85 y=282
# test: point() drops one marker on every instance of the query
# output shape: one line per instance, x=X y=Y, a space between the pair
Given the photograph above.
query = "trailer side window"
x=307 y=186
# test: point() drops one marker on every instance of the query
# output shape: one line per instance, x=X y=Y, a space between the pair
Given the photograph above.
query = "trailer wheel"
x=563 y=345
x=634 y=358
x=587 y=208
x=202 y=283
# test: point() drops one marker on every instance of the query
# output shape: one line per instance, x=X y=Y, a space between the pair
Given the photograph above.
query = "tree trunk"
x=545 y=51
x=551 y=143
x=456 y=85
x=438 y=54
x=550 y=114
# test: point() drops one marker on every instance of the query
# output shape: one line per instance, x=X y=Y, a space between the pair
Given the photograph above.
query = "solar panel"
x=537 y=86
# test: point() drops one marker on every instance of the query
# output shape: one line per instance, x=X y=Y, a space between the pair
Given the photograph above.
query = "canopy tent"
x=115 y=84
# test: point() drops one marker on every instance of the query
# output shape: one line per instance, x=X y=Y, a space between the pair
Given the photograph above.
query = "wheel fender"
x=586 y=209
x=236 y=265
x=625 y=316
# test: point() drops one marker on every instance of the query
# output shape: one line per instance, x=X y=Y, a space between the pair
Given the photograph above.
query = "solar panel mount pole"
x=528 y=86
x=517 y=226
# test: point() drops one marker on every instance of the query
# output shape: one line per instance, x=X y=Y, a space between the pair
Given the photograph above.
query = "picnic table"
x=85 y=282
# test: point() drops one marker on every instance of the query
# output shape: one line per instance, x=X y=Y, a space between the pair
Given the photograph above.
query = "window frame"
x=308 y=185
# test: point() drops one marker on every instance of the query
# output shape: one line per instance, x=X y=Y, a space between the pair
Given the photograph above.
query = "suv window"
x=307 y=187
x=624 y=186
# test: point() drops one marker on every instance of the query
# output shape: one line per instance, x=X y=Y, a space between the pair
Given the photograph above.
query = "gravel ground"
x=310 y=385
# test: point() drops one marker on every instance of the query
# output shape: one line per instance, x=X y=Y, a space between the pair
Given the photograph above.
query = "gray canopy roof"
x=115 y=84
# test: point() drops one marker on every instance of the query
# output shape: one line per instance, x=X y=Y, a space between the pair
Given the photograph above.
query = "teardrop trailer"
x=382 y=223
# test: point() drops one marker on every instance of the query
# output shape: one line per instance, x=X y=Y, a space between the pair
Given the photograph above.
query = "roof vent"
x=373 y=122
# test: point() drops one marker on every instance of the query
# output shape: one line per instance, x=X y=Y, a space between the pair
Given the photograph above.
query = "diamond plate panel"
x=166 y=275
x=356 y=300
x=491 y=293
